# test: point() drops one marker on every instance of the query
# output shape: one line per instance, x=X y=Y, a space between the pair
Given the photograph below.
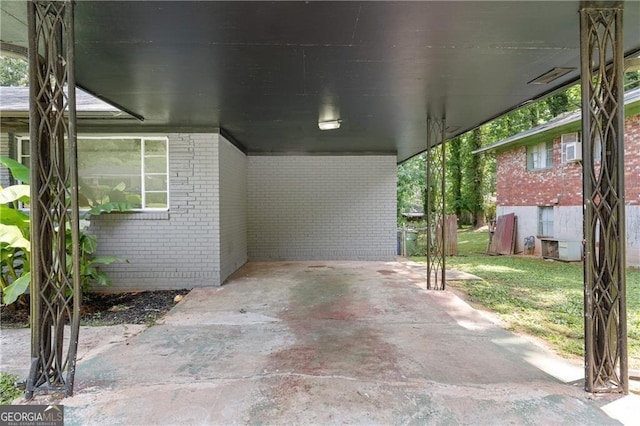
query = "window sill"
x=133 y=215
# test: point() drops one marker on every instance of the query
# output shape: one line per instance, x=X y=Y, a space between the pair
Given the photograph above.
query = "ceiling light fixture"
x=550 y=76
x=329 y=125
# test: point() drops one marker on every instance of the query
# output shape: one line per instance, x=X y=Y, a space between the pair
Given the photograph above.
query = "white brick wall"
x=322 y=207
x=175 y=249
x=233 y=208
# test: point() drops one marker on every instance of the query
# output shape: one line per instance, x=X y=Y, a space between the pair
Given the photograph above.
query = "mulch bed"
x=143 y=307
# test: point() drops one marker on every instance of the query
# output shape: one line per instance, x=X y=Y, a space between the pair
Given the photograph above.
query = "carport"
x=388 y=78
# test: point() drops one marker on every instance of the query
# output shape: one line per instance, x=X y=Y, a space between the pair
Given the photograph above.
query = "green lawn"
x=538 y=297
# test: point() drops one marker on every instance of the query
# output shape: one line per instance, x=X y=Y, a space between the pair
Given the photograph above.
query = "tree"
x=474 y=179
x=471 y=179
x=557 y=104
x=631 y=80
x=411 y=184
x=454 y=176
x=13 y=72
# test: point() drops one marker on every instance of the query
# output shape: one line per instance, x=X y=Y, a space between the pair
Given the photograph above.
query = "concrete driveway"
x=328 y=343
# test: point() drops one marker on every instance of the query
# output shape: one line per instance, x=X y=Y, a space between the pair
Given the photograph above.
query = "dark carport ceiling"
x=267 y=71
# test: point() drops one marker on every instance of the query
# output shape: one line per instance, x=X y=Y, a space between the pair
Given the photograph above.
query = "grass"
x=537 y=297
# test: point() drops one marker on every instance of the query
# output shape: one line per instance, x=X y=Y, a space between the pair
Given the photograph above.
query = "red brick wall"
x=632 y=160
x=562 y=184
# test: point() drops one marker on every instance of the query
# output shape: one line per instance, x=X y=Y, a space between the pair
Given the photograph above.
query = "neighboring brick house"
x=539 y=178
x=206 y=206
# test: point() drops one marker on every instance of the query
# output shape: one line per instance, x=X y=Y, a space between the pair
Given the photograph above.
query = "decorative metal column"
x=606 y=368
x=55 y=270
x=435 y=214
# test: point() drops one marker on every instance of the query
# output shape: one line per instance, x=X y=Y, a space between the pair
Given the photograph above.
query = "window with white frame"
x=127 y=169
x=573 y=141
x=545 y=221
x=571 y=147
x=540 y=156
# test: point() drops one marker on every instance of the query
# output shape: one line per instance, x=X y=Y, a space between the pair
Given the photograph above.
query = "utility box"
x=566 y=250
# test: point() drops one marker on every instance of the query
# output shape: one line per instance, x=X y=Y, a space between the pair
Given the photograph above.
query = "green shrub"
x=8 y=390
x=15 y=261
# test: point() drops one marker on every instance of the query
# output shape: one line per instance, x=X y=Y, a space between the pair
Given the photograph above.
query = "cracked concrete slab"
x=328 y=343
x=15 y=344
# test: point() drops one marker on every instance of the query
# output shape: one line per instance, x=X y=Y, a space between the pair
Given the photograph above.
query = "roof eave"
x=632 y=103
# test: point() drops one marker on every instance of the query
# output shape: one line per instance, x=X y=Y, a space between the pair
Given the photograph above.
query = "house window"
x=540 y=156
x=545 y=221
x=571 y=147
x=23 y=152
x=125 y=169
x=572 y=142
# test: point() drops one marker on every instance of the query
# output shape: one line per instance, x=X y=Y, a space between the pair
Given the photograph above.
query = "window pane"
x=155 y=147
x=155 y=165
x=545 y=218
x=104 y=189
x=134 y=199
x=156 y=200
x=155 y=183
x=540 y=156
x=109 y=169
x=537 y=157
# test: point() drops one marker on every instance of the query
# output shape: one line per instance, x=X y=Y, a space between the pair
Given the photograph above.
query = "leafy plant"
x=106 y=199
x=16 y=247
x=8 y=389
x=89 y=263
x=15 y=259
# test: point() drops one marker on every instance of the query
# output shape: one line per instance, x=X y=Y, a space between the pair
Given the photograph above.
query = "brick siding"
x=322 y=207
x=562 y=184
x=521 y=191
x=175 y=249
x=632 y=160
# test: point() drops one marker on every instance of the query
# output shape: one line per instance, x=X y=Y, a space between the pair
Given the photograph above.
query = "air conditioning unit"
x=571 y=147
x=572 y=152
